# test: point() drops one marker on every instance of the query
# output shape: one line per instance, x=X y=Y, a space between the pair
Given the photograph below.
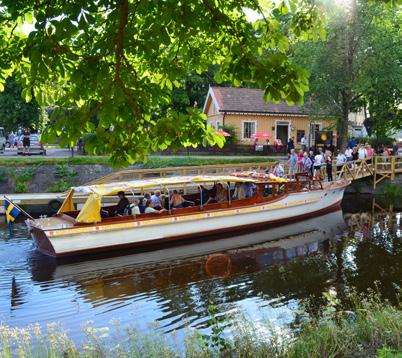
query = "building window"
x=249 y=128
x=300 y=134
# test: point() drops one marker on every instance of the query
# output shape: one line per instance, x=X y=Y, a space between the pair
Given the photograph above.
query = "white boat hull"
x=293 y=207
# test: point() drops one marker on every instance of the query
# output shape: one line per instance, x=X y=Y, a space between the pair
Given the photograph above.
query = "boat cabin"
x=198 y=194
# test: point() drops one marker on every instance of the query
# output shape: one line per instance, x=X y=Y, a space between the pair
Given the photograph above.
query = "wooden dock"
x=378 y=167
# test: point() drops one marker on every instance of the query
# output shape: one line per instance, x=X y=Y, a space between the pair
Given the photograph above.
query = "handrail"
x=386 y=166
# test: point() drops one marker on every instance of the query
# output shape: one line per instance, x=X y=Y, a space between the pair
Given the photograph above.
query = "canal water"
x=356 y=248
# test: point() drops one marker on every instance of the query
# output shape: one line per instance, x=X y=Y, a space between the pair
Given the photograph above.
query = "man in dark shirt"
x=122 y=204
x=291 y=144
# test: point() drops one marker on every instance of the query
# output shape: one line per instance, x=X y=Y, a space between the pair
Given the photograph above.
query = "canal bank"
x=42 y=175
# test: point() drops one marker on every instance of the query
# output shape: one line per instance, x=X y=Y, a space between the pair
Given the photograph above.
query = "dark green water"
x=352 y=249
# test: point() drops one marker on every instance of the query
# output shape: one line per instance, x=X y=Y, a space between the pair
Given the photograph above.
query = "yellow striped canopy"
x=90 y=212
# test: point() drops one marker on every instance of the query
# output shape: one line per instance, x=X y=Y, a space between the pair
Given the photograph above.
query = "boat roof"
x=157 y=183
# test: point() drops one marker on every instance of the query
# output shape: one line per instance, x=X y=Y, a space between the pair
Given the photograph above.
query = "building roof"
x=248 y=100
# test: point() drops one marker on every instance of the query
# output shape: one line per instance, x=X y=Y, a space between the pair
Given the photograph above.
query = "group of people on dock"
x=307 y=162
x=315 y=162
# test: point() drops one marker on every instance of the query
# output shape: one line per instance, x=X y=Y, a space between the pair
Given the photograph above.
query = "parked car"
x=2 y=140
x=36 y=147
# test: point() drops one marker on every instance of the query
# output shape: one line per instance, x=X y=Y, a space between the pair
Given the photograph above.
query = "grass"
x=28 y=161
x=370 y=328
x=162 y=161
x=152 y=162
x=392 y=191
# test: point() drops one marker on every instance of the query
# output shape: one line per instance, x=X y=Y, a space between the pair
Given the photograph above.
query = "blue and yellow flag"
x=11 y=211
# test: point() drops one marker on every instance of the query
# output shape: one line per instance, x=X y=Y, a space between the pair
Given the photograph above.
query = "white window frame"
x=242 y=129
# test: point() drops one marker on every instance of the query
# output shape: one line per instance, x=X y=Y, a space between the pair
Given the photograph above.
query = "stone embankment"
x=48 y=178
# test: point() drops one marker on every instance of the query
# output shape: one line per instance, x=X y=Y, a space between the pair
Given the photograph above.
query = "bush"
x=377 y=142
x=392 y=191
x=370 y=328
x=22 y=179
x=63 y=171
x=231 y=129
x=3 y=175
x=59 y=186
x=21 y=187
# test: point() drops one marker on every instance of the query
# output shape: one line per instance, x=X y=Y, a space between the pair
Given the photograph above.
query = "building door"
x=282 y=132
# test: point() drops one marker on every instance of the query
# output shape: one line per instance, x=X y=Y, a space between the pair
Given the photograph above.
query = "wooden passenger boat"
x=273 y=201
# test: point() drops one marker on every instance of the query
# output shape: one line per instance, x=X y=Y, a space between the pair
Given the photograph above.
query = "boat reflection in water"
x=121 y=277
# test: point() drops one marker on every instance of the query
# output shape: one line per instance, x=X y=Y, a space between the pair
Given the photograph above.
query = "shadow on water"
x=275 y=272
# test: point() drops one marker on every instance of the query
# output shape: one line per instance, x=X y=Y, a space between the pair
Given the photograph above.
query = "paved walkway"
x=66 y=153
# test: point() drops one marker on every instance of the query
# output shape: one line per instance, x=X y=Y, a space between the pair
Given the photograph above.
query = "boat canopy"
x=90 y=212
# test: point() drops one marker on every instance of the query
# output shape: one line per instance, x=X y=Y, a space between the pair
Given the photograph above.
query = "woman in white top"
x=362 y=152
x=340 y=158
x=150 y=209
x=318 y=162
x=348 y=154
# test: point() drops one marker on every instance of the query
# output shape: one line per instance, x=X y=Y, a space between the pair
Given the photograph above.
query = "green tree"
x=120 y=60
x=357 y=66
x=194 y=90
x=14 y=111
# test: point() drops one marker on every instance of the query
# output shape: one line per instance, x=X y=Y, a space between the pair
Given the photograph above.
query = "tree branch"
x=119 y=40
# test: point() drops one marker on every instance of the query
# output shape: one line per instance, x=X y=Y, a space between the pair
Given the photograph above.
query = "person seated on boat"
x=249 y=189
x=142 y=205
x=156 y=200
x=239 y=192
x=212 y=191
x=204 y=194
x=135 y=209
x=122 y=204
x=221 y=195
x=150 y=209
x=176 y=200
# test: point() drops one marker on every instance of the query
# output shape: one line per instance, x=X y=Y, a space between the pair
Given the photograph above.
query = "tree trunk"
x=344 y=122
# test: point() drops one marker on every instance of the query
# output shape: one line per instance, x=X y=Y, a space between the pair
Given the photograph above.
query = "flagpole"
x=17 y=206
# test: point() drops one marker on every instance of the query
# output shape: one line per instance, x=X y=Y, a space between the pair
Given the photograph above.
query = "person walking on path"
x=300 y=167
x=303 y=143
x=352 y=142
x=311 y=156
x=318 y=162
x=307 y=163
x=328 y=162
x=362 y=152
x=11 y=139
x=26 y=140
x=292 y=164
x=291 y=145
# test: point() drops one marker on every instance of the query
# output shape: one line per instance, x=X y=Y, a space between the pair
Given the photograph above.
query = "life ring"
x=54 y=205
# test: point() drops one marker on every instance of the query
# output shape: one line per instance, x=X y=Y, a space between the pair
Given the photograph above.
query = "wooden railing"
x=386 y=167
x=379 y=167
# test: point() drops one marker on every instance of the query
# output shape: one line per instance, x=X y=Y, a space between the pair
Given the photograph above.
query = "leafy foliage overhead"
x=120 y=60
x=14 y=111
x=358 y=65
